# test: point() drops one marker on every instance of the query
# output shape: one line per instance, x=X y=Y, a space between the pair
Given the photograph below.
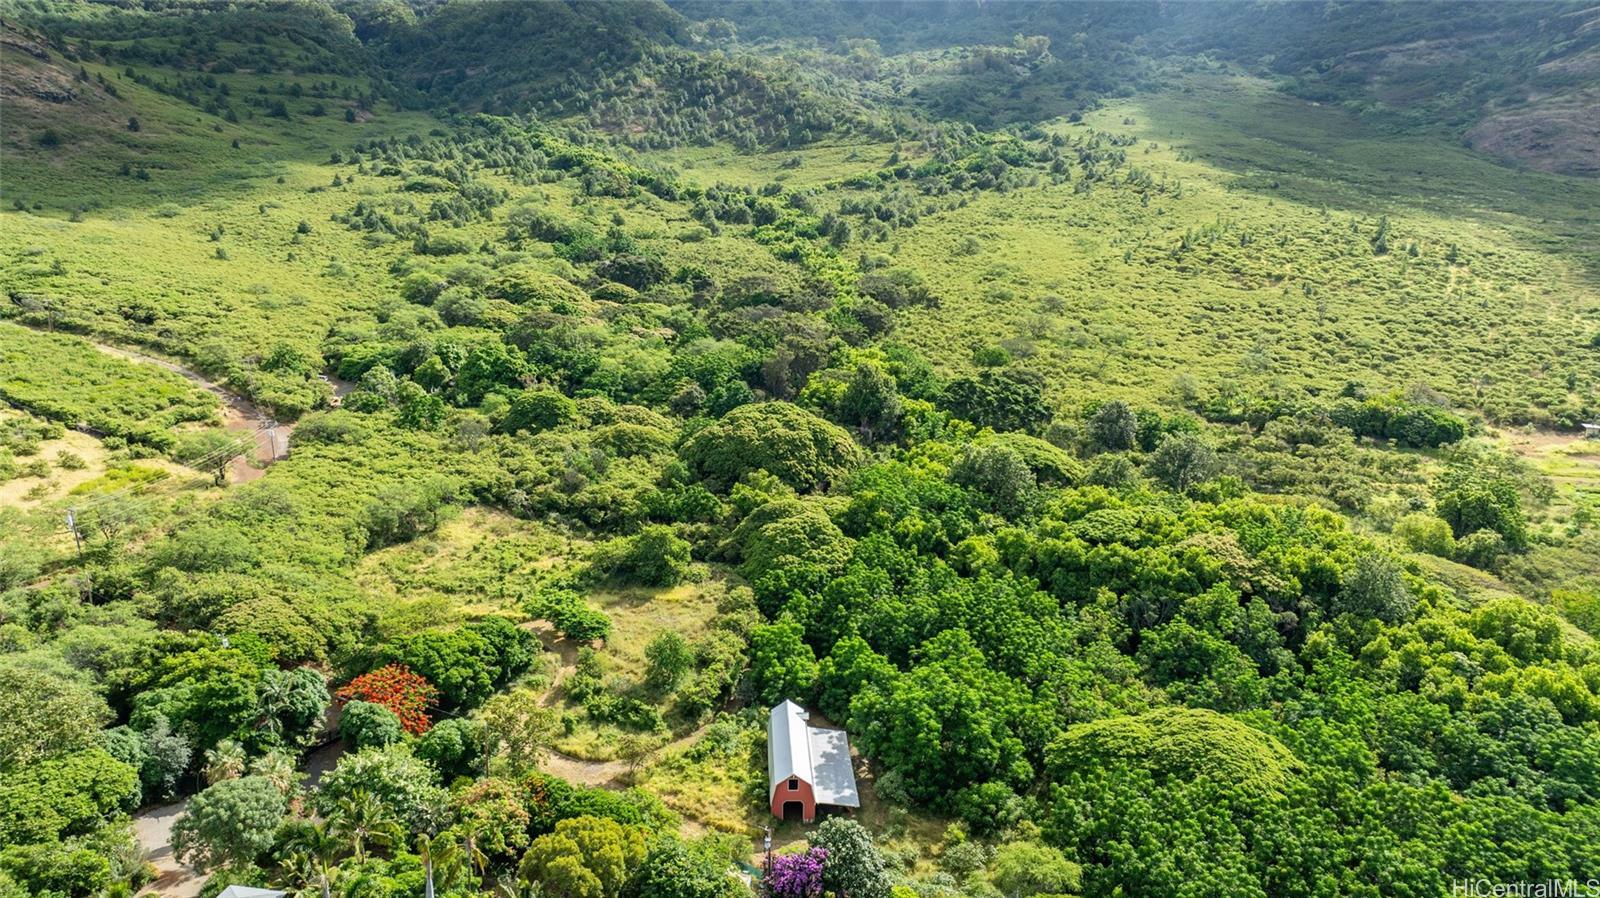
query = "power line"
x=111 y=499
x=231 y=450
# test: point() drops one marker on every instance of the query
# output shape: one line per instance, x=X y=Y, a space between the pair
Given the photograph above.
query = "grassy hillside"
x=1256 y=265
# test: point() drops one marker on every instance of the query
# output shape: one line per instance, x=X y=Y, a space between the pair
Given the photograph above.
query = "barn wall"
x=807 y=798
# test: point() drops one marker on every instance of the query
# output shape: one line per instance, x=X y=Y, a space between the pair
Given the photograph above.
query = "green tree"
x=460 y=662
x=570 y=614
x=321 y=847
x=1113 y=427
x=361 y=819
x=1422 y=532
x=292 y=704
x=488 y=367
x=453 y=746
x=417 y=408
x=854 y=867
x=871 y=403
x=1477 y=493
x=225 y=761
x=365 y=725
x=1375 y=587
x=406 y=786
x=803 y=450
x=782 y=666
x=999 y=476
x=538 y=409
x=585 y=857
x=1021 y=869
x=230 y=823
x=62 y=797
x=1183 y=461
x=442 y=857
x=432 y=375
x=668 y=659
x=212 y=451
x=675 y=870
x=949 y=721
x=849 y=666
x=655 y=556
x=43 y=714
x=516 y=730
x=164 y=758
x=998 y=399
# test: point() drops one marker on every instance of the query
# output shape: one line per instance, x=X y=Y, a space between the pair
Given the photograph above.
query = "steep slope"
x=1517 y=79
x=635 y=70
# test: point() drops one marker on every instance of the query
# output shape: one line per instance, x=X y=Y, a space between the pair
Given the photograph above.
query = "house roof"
x=248 y=892
x=816 y=755
x=788 y=744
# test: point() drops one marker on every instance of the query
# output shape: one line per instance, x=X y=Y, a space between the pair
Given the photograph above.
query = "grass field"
x=1218 y=281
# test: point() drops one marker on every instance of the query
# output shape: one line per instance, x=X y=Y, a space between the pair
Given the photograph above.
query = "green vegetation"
x=65 y=379
x=1157 y=451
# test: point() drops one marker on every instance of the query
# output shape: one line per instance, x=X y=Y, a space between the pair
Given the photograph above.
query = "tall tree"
x=231 y=823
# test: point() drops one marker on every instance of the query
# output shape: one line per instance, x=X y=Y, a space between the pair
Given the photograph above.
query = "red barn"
x=807 y=766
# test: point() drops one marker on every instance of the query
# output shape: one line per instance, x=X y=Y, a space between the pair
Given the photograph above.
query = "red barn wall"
x=783 y=795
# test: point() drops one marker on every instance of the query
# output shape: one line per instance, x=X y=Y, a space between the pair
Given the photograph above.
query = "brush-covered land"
x=1153 y=432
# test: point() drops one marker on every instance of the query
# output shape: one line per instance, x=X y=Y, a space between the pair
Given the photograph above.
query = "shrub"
x=569 y=614
x=1422 y=532
x=655 y=556
x=1482 y=549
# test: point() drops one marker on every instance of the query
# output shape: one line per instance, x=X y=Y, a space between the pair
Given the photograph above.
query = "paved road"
x=153 y=828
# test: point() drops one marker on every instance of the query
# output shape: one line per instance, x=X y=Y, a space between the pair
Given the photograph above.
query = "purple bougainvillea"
x=797 y=875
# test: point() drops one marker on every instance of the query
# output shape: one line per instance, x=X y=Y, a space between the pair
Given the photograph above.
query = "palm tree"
x=276 y=694
x=224 y=762
x=474 y=855
x=359 y=818
x=441 y=856
x=321 y=845
x=279 y=768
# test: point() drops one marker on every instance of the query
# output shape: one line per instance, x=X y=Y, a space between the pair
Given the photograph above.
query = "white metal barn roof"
x=818 y=756
x=248 y=892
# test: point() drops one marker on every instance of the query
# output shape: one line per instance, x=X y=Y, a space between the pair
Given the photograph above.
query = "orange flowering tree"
x=394 y=686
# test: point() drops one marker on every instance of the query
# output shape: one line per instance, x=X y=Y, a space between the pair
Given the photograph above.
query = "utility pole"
x=72 y=524
x=766 y=865
x=77 y=538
